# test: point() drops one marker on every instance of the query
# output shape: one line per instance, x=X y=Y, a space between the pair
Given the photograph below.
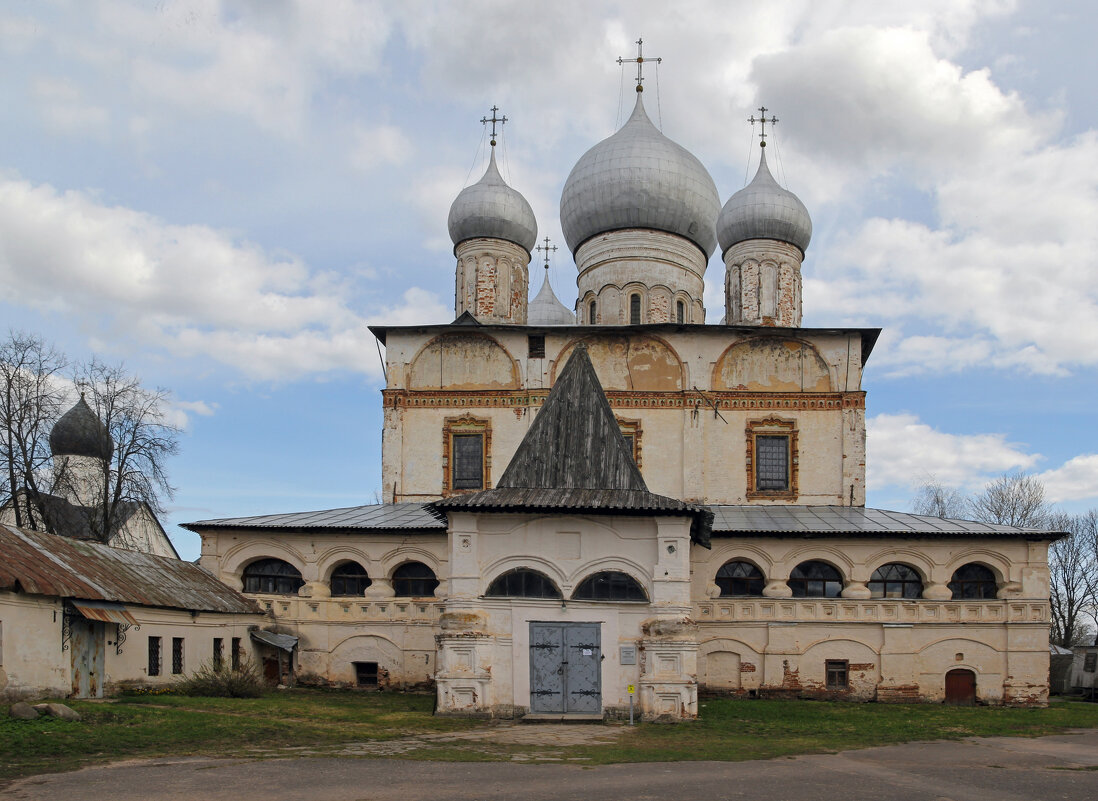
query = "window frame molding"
x=632 y=428
x=773 y=427
x=466 y=424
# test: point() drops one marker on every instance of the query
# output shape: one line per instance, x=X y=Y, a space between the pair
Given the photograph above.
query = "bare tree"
x=1073 y=577
x=936 y=499
x=143 y=440
x=32 y=392
x=1014 y=499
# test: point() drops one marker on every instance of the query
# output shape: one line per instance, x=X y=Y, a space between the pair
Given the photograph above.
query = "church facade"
x=620 y=504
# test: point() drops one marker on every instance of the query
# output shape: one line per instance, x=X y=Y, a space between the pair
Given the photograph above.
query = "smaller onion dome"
x=545 y=309
x=80 y=433
x=492 y=210
x=763 y=210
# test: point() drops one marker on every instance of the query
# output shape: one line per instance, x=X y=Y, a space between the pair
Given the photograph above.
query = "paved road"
x=1000 y=768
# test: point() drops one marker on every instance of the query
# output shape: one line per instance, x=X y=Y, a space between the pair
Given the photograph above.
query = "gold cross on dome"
x=640 y=59
x=547 y=250
x=493 y=119
x=762 y=124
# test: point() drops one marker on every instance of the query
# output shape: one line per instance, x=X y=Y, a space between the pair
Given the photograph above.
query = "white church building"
x=619 y=499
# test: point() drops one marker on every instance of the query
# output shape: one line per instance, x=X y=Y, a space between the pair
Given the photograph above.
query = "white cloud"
x=65 y=110
x=1075 y=480
x=190 y=290
x=903 y=451
x=378 y=145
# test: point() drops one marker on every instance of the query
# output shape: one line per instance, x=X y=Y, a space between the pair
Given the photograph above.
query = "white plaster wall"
x=32 y=664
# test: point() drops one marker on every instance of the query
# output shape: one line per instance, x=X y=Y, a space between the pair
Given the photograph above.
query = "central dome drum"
x=638 y=178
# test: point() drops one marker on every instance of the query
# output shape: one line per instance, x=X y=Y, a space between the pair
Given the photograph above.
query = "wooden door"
x=960 y=687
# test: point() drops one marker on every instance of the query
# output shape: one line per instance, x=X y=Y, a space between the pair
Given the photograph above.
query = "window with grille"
x=634 y=309
x=815 y=580
x=350 y=578
x=272 y=576
x=680 y=312
x=234 y=655
x=177 y=655
x=218 y=653
x=522 y=583
x=467 y=462
x=895 y=580
x=414 y=580
x=365 y=674
x=154 y=656
x=838 y=674
x=740 y=578
x=536 y=345
x=610 y=585
x=771 y=463
x=973 y=582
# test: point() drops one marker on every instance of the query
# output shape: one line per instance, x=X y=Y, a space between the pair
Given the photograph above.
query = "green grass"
x=321 y=722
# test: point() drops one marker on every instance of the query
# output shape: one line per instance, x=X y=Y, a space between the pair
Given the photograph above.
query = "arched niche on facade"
x=772 y=364
x=634 y=362
x=463 y=361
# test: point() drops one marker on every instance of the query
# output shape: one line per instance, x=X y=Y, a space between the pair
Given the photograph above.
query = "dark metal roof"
x=868 y=336
x=575 y=459
x=374 y=516
x=852 y=520
x=575 y=441
x=44 y=564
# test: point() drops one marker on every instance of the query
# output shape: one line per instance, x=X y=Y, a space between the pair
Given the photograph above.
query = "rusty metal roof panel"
x=105 y=611
x=374 y=516
x=855 y=520
x=45 y=564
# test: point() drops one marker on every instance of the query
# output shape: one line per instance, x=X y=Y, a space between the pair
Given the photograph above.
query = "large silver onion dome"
x=80 y=432
x=763 y=210
x=638 y=178
x=545 y=309
x=491 y=209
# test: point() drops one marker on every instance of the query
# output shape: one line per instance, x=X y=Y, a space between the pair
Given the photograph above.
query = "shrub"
x=223 y=682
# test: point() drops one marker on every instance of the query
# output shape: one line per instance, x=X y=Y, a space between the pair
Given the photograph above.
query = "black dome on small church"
x=80 y=433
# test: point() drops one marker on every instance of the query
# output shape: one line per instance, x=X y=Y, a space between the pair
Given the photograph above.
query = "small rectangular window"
x=634 y=309
x=536 y=343
x=365 y=674
x=234 y=655
x=771 y=463
x=467 y=462
x=218 y=652
x=837 y=674
x=177 y=655
x=154 y=656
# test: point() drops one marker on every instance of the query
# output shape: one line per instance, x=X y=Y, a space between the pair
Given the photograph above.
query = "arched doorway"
x=960 y=687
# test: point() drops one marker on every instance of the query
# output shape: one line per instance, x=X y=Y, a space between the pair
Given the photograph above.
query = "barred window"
x=154 y=656
x=522 y=583
x=234 y=654
x=536 y=346
x=218 y=653
x=740 y=578
x=467 y=461
x=771 y=463
x=634 y=309
x=177 y=655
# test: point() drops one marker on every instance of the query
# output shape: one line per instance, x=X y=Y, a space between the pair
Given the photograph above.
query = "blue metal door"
x=565 y=668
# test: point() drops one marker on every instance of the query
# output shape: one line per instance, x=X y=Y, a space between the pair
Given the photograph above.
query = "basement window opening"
x=365 y=674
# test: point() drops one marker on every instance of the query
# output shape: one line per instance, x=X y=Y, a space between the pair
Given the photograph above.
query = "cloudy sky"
x=224 y=194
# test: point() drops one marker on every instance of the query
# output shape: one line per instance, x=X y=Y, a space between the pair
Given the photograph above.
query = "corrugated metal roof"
x=373 y=516
x=44 y=564
x=106 y=611
x=824 y=520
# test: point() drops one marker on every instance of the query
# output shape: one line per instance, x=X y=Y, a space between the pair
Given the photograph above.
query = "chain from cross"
x=762 y=124
x=547 y=250
x=640 y=59
x=493 y=119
